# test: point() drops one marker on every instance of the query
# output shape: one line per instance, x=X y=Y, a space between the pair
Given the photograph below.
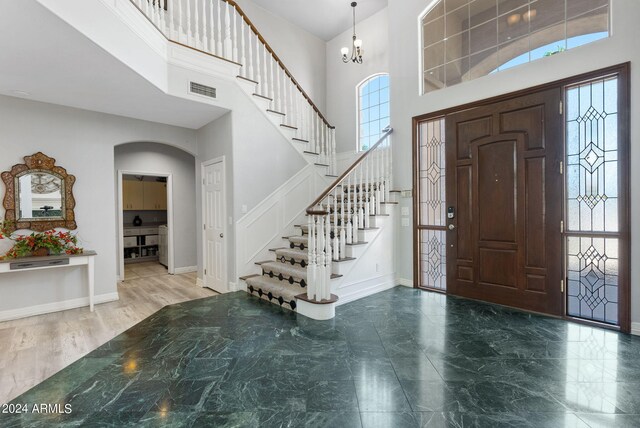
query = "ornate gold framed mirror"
x=39 y=195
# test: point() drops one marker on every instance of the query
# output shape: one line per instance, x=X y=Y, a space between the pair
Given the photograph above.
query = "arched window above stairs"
x=373 y=109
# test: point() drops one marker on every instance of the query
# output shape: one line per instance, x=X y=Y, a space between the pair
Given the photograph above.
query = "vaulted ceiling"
x=323 y=18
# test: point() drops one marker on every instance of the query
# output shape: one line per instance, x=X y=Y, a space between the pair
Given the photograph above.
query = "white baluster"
x=361 y=198
x=146 y=9
x=196 y=24
x=355 y=224
x=272 y=88
x=180 y=27
x=243 y=49
x=322 y=269
x=171 y=17
x=258 y=75
x=219 y=51
x=163 y=22
x=390 y=171
x=312 y=252
x=275 y=78
x=212 y=29
x=350 y=217
x=326 y=290
x=367 y=201
x=334 y=156
x=265 y=89
x=338 y=251
x=157 y=14
x=384 y=174
x=379 y=180
x=285 y=88
x=189 y=39
x=234 y=39
x=228 y=48
x=250 y=71
x=292 y=115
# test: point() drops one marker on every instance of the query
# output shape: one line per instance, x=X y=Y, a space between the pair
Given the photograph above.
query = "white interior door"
x=214 y=221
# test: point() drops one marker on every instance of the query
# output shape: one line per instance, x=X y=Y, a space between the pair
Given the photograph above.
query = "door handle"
x=452 y=226
x=222 y=235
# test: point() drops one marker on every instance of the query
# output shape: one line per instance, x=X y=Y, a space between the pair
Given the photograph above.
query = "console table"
x=25 y=264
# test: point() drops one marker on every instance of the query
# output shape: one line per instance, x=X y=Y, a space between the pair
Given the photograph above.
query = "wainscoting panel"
x=264 y=226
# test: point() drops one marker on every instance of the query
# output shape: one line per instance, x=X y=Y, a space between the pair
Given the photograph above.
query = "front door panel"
x=505 y=184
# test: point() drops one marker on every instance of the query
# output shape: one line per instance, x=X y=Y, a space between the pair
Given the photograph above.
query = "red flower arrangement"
x=40 y=243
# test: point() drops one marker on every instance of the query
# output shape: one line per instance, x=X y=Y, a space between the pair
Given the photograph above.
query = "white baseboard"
x=186 y=269
x=405 y=282
x=358 y=290
x=64 y=305
x=200 y=282
x=635 y=328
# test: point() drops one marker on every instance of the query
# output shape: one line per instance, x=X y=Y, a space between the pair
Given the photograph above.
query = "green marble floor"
x=401 y=358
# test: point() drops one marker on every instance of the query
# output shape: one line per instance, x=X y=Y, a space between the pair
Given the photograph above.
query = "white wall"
x=216 y=140
x=152 y=157
x=342 y=79
x=300 y=51
x=259 y=159
x=82 y=142
x=407 y=102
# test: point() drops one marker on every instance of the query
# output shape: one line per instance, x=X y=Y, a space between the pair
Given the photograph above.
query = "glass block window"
x=432 y=204
x=373 y=110
x=466 y=39
x=592 y=200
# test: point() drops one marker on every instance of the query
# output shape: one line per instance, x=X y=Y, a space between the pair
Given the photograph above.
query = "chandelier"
x=356 y=50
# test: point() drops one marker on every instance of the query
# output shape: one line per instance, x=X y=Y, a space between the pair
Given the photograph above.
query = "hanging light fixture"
x=356 y=50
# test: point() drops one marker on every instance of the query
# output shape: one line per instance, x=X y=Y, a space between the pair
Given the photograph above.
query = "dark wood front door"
x=505 y=188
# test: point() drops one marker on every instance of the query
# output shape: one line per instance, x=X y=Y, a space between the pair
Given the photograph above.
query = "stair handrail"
x=278 y=60
x=310 y=209
x=335 y=219
x=220 y=28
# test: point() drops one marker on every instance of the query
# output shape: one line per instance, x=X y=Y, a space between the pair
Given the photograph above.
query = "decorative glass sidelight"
x=432 y=204
x=592 y=200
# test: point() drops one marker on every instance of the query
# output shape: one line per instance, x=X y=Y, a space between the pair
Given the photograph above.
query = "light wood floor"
x=34 y=348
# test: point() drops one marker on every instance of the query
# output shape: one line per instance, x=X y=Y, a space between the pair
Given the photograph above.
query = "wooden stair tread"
x=276 y=249
x=247 y=79
x=262 y=96
x=276 y=112
x=284 y=125
x=353 y=244
x=263 y=262
x=346 y=259
x=300 y=140
x=244 y=278
x=321 y=164
x=311 y=153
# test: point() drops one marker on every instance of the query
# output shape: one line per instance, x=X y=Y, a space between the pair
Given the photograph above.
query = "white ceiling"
x=324 y=18
x=45 y=57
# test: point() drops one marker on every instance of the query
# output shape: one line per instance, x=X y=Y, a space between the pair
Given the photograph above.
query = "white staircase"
x=336 y=232
x=333 y=236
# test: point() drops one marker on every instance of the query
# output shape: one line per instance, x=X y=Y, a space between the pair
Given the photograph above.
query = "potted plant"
x=45 y=243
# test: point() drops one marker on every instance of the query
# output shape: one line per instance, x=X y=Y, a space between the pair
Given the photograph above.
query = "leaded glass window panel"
x=593 y=200
x=592 y=156
x=432 y=203
x=592 y=275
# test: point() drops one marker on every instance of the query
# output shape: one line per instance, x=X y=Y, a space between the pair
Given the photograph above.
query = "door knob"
x=452 y=226
x=222 y=235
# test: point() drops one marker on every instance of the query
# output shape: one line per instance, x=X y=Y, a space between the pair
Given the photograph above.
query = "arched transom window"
x=373 y=110
x=466 y=39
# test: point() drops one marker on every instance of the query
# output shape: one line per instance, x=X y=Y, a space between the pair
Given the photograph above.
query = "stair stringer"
x=250 y=88
x=377 y=256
